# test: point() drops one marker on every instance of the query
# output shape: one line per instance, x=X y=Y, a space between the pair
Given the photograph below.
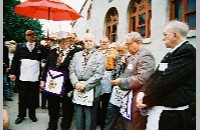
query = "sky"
x=56 y=26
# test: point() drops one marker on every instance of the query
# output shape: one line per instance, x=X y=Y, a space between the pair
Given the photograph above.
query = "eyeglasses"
x=31 y=34
x=71 y=37
x=103 y=42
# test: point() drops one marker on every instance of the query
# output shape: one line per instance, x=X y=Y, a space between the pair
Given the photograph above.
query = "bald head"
x=30 y=36
x=29 y=32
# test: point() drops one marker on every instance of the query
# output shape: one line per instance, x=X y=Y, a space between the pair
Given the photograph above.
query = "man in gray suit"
x=136 y=69
x=86 y=70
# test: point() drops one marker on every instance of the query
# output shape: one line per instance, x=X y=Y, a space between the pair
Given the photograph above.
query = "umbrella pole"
x=48 y=22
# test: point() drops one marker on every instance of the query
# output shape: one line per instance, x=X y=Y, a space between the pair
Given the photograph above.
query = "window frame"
x=145 y=4
x=185 y=11
x=112 y=20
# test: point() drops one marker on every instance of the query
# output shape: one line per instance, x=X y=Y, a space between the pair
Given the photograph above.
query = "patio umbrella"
x=47 y=9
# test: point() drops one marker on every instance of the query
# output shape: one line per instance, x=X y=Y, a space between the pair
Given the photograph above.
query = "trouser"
x=138 y=121
x=28 y=98
x=111 y=116
x=86 y=116
x=104 y=101
x=6 y=87
x=54 y=108
x=175 y=120
x=44 y=99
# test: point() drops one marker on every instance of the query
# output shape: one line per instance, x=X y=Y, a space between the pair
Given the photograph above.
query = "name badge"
x=162 y=66
x=130 y=67
x=39 y=51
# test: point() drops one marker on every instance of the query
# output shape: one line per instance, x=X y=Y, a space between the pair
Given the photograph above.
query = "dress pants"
x=138 y=121
x=175 y=120
x=54 y=103
x=28 y=98
x=44 y=99
x=105 y=98
x=86 y=116
x=111 y=116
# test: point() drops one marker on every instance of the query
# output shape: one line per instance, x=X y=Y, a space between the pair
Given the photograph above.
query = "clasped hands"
x=80 y=87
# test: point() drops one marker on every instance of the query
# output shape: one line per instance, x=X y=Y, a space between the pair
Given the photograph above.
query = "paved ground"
x=27 y=124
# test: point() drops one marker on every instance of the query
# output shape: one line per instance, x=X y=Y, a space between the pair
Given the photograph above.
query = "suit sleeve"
x=98 y=73
x=145 y=67
x=181 y=64
x=15 y=61
x=5 y=57
x=73 y=76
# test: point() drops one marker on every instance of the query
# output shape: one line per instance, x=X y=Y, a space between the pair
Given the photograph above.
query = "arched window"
x=111 y=24
x=185 y=11
x=140 y=16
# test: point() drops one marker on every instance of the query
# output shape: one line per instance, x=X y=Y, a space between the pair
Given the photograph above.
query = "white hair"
x=89 y=35
x=135 y=36
x=180 y=27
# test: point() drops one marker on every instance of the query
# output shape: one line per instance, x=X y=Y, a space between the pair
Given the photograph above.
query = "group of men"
x=159 y=98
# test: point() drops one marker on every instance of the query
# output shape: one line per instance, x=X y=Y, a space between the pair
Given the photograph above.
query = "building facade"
x=115 y=18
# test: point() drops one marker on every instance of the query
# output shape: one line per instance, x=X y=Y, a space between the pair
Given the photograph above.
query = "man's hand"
x=115 y=82
x=139 y=100
x=12 y=77
x=80 y=87
x=41 y=85
x=7 y=70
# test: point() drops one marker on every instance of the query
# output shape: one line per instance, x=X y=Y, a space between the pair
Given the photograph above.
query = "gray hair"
x=104 y=37
x=135 y=36
x=178 y=26
x=90 y=35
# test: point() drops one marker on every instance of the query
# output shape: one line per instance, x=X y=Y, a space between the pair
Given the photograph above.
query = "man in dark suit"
x=169 y=91
x=59 y=58
x=26 y=66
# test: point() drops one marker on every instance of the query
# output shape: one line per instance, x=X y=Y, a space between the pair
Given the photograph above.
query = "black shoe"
x=34 y=119
x=9 y=99
x=19 y=120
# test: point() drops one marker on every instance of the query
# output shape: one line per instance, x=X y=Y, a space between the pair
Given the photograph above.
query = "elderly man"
x=110 y=63
x=26 y=65
x=86 y=70
x=137 y=67
x=169 y=91
x=59 y=60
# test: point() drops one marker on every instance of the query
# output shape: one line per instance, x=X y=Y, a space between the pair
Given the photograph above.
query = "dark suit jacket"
x=22 y=52
x=5 y=59
x=174 y=86
x=52 y=60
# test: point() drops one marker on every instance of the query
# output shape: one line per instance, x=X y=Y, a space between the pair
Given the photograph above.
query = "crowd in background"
x=101 y=83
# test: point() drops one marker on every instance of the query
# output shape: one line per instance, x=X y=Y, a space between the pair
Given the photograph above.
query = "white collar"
x=33 y=43
x=177 y=46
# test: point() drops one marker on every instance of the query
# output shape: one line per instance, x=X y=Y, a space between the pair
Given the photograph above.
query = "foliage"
x=14 y=25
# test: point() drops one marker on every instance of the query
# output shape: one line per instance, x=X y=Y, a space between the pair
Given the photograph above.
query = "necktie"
x=86 y=58
x=59 y=58
x=30 y=47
